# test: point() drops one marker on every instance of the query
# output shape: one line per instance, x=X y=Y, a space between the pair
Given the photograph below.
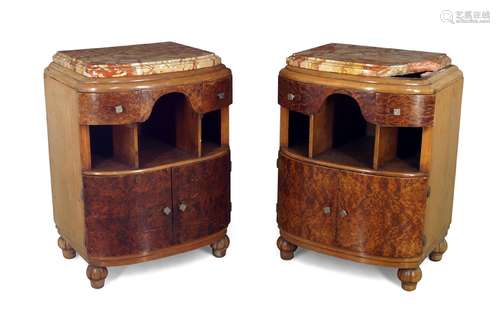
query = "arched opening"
x=342 y=135
x=170 y=133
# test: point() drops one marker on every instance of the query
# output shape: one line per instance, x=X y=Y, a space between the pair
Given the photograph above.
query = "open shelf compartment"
x=339 y=134
x=173 y=132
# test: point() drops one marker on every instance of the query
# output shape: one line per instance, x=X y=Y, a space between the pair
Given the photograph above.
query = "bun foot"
x=286 y=248
x=409 y=278
x=67 y=250
x=97 y=276
x=437 y=253
x=219 y=247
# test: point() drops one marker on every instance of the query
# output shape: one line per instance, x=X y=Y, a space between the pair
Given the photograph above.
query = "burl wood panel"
x=203 y=188
x=308 y=98
x=385 y=215
x=99 y=108
x=124 y=214
x=415 y=110
x=377 y=108
x=304 y=191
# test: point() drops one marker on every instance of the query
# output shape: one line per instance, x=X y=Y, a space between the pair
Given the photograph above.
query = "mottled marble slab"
x=135 y=60
x=367 y=60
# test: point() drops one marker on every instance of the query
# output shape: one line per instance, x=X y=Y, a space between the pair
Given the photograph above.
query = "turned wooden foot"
x=219 y=247
x=409 y=278
x=97 y=275
x=286 y=248
x=67 y=250
x=437 y=253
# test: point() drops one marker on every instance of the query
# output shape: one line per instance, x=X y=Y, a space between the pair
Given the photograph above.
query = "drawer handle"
x=396 y=111
x=167 y=211
x=221 y=95
x=343 y=213
x=327 y=210
x=291 y=97
x=182 y=207
x=119 y=109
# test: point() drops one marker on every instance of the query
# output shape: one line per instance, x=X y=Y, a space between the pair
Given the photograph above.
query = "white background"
x=251 y=290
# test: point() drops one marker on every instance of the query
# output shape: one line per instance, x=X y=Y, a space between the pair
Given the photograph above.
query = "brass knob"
x=327 y=210
x=291 y=97
x=221 y=95
x=167 y=211
x=182 y=207
x=343 y=213
x=119 y=109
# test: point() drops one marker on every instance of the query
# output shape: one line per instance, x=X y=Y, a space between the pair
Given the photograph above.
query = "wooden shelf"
x=357 y=153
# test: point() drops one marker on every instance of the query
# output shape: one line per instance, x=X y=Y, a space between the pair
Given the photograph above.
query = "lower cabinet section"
x=367 y=214
x=140 y=213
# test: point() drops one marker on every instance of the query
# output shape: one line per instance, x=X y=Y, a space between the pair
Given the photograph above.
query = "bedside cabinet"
x=368 y=146
x=139 y=153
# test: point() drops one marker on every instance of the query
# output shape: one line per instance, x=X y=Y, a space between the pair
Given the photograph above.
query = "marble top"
x=135 y=60
x=367 y=60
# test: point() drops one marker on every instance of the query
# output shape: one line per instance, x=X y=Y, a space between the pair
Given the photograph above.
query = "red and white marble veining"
x=135 y=60
x=368 y=61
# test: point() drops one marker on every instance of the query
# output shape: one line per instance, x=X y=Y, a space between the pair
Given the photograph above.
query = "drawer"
x=403 y=110
x=299 y=96
x=308 y=98
x=135 y=106
x=217 y=94
x=115 y=108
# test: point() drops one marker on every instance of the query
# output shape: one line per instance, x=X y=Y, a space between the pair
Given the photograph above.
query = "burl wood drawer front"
x=217 y=94
x=384 y=215
x=403 y=110
x=128 y=214
x=307 y=200
x=136 y=105
x=201 y=198
x=308 y=98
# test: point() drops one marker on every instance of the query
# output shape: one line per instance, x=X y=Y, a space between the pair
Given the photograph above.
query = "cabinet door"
x=307 y=200
x=126 y=215
x=201 y=198
x=384 y=216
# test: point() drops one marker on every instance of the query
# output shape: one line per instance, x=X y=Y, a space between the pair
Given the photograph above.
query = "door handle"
x=167 y=211
x=182 y=207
